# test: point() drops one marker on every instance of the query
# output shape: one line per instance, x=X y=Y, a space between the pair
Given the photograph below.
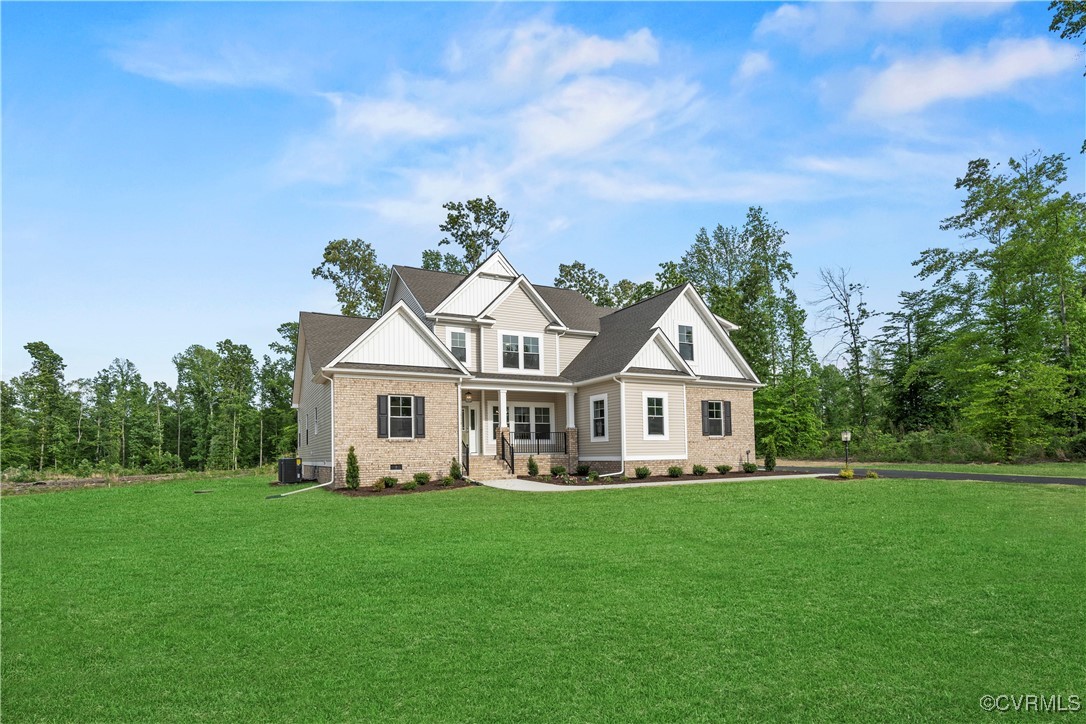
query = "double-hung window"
x=654 y=416
x=522 y=423
x=458 y=343
x=542 y=423
x=400 y=416
x=521 y=351
x=686 y=342
x=714 y=417
x=511 y=351
x=599 y=417
x=531 y=353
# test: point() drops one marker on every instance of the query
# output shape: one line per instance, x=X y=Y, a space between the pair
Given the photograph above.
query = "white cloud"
x=387 y=117
x=541 y=50
x=912 y=85
x=822 y=26
x=753 y=64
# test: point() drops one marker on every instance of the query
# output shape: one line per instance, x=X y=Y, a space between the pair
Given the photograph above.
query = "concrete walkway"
x=532 y=486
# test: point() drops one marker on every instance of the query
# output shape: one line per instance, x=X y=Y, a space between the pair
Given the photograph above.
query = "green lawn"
x=1059 y=470
x=798 y=599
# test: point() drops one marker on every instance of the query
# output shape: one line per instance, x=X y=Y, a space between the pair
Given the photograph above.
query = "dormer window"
x=686 y=342
x=458 y=343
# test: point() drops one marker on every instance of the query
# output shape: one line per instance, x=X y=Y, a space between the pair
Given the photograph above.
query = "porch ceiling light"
x=467 y=397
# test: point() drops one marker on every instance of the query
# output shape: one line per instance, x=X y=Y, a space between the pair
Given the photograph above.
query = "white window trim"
x=492 y=405
x=410 y=417
x=469 y=362
x=541 y=336
x=645 y=416
x=679 y=341
x=606 y=418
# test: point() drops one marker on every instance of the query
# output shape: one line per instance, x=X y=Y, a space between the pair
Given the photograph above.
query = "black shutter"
x=704 y=417
x=420 y=417
x=727 y=418
x=382 y=415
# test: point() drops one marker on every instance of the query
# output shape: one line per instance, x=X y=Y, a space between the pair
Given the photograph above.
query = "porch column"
x=573 y=456
x=503 y=409
x=570 y=417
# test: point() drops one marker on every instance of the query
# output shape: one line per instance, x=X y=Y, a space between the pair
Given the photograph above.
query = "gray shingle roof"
x=432 y=287
x=484 y=376
x=429 y=287
x=326 y=335
x=622 y=335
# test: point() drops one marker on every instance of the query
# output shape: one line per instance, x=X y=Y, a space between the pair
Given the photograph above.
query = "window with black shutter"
x=401 y=416
x=712 y=422
x=420 y=417
x=382 y=415
x=727 y=417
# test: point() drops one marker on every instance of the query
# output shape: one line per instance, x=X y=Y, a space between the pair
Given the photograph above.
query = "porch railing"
x=552 y=442
x=507 y=453
x=465 y=458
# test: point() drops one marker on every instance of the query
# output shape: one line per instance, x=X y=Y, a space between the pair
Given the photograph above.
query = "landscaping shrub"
x=674 y=471
x=582 y=470
x=421 y=478
x=455 y=471
x=378 y=485
x=872 y=475
x=723 y=469
x=447 y=481
x=410 y=485
x=593 y=475
x=624 y=477
x=533 y=466
x=389 y=481
x=558 y=471
x=749 y=468
x=352 y=469
x=770 y=453
x=642 y=472
x=845 y=474
x=699 y=469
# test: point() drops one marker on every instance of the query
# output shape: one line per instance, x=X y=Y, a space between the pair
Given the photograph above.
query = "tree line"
x=227 y=410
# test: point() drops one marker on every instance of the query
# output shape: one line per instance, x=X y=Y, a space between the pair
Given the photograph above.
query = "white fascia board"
x=412 y=319
x=522 y=282
x=478 y=271
x=299 y=359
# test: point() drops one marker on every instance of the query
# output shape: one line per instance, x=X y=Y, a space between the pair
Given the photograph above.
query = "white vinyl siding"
x=474 y=296
x=444 y=333
x=610 y=449
x=569 y=346
x=710 y=356
x=316 y=401
x=599 y=424
x=655 y=448
x=653 y=357
x=555 y=403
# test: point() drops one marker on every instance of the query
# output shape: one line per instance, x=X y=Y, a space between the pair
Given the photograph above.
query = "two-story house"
x=490 y=369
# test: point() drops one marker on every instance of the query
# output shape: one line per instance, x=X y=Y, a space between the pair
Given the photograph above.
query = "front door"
x=469 y=423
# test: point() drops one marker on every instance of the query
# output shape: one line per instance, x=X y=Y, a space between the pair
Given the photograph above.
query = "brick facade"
x=727 y=450
x=355 y=407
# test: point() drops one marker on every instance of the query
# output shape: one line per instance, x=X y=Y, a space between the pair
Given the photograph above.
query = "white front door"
x=469 y=423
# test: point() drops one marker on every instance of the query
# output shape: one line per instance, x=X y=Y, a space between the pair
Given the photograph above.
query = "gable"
x=654 y=356
x=497 y=265
x=519 y=312
x=714 y=353
x=395 y=342
x=475 y=295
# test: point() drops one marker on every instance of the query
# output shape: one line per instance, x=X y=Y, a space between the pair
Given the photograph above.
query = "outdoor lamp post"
x=846 y=437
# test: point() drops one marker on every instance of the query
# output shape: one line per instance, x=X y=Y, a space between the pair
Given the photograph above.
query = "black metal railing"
x=551 y=442
x=465 y=458
x=507 y=453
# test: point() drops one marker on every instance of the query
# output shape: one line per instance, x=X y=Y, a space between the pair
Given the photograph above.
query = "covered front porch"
x=502 y=425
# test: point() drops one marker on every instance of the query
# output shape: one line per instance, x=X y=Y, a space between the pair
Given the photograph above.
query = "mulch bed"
x=617 y=480
x=367 y=491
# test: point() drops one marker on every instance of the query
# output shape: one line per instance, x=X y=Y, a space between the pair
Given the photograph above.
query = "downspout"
x=621 y=428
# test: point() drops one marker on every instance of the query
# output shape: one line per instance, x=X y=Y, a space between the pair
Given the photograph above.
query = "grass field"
x=1059 y=470
x=802 y=599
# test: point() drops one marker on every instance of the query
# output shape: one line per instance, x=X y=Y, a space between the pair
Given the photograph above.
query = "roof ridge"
x=648 y=299
x=434 y=271
x=342 y=316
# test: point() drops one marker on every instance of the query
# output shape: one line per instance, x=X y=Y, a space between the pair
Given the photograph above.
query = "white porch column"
x=570 y=417
x=503 y=408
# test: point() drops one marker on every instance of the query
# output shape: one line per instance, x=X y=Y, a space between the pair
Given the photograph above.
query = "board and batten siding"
x=396 y=342
x=710 y=357
x=401 y=293
x=442 y=332
x=474 y=296
x=315 y=401
x=653 y=357
x=588 y=450
x=518 y=313
x=637 y=447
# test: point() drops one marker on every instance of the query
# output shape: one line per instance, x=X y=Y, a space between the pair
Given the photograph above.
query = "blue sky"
x=172 y=172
